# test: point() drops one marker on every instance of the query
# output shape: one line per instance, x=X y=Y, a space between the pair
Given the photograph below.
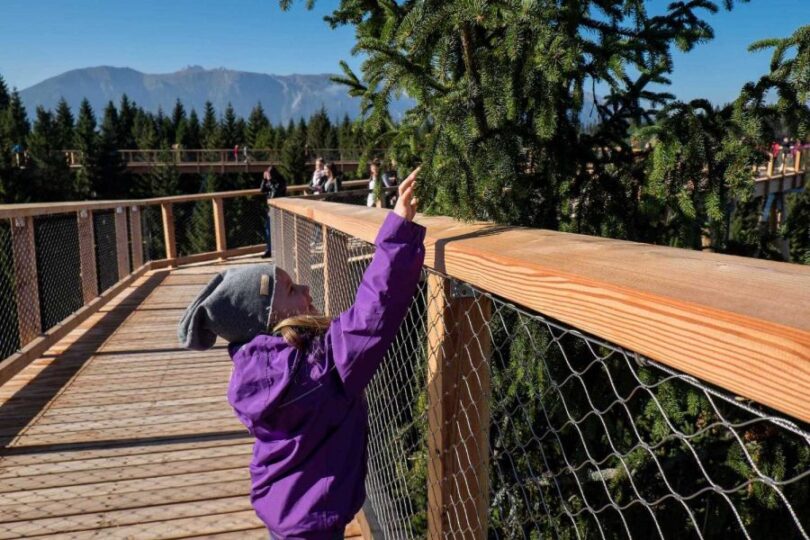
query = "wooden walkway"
x=116 y=433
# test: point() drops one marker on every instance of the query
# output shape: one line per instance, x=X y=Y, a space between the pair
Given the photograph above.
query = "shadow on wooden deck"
x=29 y=401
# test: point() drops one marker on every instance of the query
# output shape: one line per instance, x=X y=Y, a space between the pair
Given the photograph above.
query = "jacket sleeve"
x=359 y=338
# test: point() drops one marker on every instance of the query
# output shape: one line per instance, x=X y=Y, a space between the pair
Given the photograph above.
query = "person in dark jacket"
x=273 y=185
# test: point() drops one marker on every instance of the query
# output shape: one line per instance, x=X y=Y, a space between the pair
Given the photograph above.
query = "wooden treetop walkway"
x=115 y=432
x=221 y=160
x=108 y=429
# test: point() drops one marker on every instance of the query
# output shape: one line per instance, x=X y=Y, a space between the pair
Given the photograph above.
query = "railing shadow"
x=29 y=401
x=440 y=246
x=107 y=444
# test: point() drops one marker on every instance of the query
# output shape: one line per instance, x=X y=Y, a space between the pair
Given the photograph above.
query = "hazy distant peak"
x=283 y=97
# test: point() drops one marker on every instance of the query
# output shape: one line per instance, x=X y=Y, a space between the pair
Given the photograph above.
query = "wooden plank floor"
x=116 y=433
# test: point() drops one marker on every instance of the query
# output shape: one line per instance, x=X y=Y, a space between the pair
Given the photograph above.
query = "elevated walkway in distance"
x=115 y=432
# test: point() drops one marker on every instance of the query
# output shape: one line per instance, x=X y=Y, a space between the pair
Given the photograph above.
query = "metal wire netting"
x=9 y=337
x=194 y=227
x=106 y=252
x=487 y=419
x=154 y=246
x=245 y=221
x=310 y=257
x=58 y=271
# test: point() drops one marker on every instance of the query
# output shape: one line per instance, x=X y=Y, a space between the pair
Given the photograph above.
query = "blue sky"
x=43 y=38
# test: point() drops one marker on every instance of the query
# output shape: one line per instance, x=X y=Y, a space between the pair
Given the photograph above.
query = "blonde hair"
x=299 y=329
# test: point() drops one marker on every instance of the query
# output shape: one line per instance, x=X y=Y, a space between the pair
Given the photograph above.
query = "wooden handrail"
x=45 y=208
x=739 y=323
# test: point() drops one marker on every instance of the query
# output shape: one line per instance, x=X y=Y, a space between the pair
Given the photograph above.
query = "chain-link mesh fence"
x=194 y=227
x=154 y=246
x=245 y=221
x=106 y=249
x=490 y=420
x=9 y=336
x=58 y=269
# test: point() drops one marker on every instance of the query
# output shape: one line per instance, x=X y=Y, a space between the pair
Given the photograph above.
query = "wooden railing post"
x=769 y=171
x=136 y=234
x=219 y=225
x=121 y=242
x=25 y=276
x=301 y=247
x=797 y=162
x=87 y=255
x=278 y=237
x=168 y=232
x=459 y=347
x=335 y=264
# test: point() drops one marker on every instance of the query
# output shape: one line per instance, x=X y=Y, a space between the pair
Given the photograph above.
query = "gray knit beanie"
x=235 y=305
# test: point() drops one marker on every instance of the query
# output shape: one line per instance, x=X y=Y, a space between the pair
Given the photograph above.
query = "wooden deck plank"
x=126 y=472
x=132 y=517
x=106 y=502
x=114 y=462
x=174 y=528
x=252 y=534
x=72 y=495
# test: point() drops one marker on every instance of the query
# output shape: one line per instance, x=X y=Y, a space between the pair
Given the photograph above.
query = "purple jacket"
x=307 y=410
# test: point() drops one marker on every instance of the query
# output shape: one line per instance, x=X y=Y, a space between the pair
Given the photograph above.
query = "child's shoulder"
x=262 y=343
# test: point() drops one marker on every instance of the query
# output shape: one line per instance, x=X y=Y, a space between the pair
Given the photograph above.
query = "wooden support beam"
x=459 y=348
x=219 y=224
x=26 y=287
x=136 y=233
x=168 y=231
x=87 y=255
x=121 y=242
x=336 y=265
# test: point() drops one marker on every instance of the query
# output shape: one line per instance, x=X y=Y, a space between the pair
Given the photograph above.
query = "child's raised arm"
x=360 y=336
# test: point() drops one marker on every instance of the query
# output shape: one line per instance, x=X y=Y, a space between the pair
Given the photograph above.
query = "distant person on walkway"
x=390 y=179
x=332 y=182
x=236 y=153
x=318 y=177
x=273 y=185
x=299 y=377
x=17 y=150
x=373 y=180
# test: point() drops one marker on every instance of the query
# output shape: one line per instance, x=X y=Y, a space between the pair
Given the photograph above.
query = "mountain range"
x=283 y=97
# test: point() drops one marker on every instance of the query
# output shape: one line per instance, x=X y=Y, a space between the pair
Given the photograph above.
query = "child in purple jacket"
x=301 y=394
